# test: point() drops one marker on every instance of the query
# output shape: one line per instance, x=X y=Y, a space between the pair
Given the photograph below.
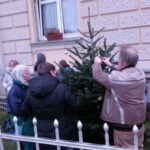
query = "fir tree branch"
x=95 y=42
x=82 y=53
x=93 y=31
x=86 y=40
x=79 y=53
x=99 y=31
x=113 y=55
x=93 y=55
x=89 y=48
x=111 y=48
x=74 y=53
x=105 y=45
x=89 y=15
x=101 y=52
x=78 y=67
x=75 y=48
x=83 y=33
x=79 y=43
x=77 y=62
x=90 y=31
x=86 y=55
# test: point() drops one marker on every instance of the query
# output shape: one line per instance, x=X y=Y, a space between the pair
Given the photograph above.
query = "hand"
x=97 y=60
x=106 y=61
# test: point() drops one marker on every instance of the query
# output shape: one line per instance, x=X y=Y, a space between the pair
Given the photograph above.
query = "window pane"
x=49 y=16
x=69 y=15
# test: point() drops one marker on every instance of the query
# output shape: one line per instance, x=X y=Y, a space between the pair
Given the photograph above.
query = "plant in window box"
x=53 y=34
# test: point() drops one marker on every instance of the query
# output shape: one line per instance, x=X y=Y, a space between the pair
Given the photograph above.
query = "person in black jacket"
x=47 y=99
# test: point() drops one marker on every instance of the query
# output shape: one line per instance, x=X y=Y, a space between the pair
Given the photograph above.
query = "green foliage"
x=3 y=117
x=8 y=144
x=81 y=81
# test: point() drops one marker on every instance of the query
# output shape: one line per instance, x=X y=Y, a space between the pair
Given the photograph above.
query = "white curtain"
x=49 y=16
x=69 y=15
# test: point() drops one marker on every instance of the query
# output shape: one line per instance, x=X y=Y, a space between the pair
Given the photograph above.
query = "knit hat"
x=41 y=57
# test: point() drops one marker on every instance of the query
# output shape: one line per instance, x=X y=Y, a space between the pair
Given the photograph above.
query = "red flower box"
x=54 y=36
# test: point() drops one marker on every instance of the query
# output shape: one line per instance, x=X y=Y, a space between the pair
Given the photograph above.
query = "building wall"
x=125 y=22
x=15 y=31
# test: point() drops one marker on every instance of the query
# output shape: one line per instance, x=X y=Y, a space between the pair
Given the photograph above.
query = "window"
x=61 y=14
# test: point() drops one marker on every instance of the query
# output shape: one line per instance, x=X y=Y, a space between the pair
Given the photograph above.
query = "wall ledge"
x=45 y=43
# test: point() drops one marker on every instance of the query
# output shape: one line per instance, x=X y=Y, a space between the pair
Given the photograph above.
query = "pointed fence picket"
x=35 y=133
x=57 y=132
x=1 y=143
x=3 y=105
x=62 y=143
x=17 y=132
x=79 y=125
x=106 y=128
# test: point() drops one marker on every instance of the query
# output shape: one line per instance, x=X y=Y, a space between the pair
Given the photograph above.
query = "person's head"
x=12 y=64
x=46 y=68
x=41 y=58
x=128 y=57
x=21 y=74
x=63 y=64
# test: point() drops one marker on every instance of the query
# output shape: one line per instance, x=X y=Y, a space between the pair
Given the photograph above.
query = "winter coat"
x=15 y=107
x=124 y=98
x=47 y=99
x=16 y=98
x=66 y=70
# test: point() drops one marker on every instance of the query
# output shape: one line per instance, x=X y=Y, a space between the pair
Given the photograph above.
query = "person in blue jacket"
x=15 y=100
x=64 y=69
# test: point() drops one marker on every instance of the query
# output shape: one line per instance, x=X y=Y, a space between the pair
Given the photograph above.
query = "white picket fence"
x=3 y=105
x=59 y=143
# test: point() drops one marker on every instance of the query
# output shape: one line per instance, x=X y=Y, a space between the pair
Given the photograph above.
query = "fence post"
x=56 y=124
x=16 y=131
x=1 y=141
x=135 y=131
x=79 y=125
x=35 y=132
x=106 y=128
x=66 y=52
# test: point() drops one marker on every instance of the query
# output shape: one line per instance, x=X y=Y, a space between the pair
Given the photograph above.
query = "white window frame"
x=38 y=6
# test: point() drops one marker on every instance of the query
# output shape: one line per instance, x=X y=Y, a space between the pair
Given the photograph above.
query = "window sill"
x=45 y=43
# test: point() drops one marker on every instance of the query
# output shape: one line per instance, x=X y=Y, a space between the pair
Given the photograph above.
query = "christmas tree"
x=81 y=81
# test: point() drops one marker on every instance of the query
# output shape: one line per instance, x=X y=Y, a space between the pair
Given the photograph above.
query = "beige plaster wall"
x=125 y=22
x=15 y=31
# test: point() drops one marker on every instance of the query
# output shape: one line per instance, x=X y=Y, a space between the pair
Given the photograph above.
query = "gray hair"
x=17 y=74
x=129 y=55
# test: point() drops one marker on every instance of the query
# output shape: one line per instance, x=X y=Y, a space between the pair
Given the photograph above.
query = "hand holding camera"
x=106 y=61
